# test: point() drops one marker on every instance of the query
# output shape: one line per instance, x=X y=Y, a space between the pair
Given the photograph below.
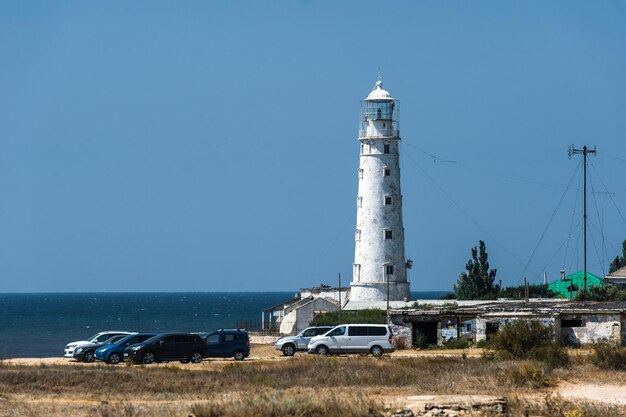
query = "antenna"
x=584 y=151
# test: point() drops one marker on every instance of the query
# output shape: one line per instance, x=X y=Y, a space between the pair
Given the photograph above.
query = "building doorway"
x=425 y=333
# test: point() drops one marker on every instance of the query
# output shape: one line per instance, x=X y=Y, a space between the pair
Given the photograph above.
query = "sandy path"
x=609 y=394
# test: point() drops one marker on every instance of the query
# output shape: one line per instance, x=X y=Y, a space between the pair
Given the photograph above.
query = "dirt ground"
x=603 y=392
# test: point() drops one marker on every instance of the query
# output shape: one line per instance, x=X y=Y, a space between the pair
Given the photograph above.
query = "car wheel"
x=148 y=358
x=89 y=356
x=239 y=356
x=114 y=359
x=289 y=350
x=196 y=357
x=321 y=350
x=376 y=351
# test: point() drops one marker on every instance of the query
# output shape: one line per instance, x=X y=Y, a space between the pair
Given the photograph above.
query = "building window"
x=362 y=149
x=388 y=234
x=389 y=269
x=357 y=235
x=360 y=173
x=572 y=323
x=359 y=201
x=386 y=172
x=386 y=148
x=388 y=200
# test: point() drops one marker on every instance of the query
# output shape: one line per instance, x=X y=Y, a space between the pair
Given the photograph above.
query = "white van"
x=355 y=338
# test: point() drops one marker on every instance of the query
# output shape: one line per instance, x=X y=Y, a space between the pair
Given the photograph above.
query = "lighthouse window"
x=389 y=269
x=388 y=234
x=387 y=200
x=357 y=272
x=377 y=110
x=386 y=148
x=359 y=201
x=360 y=174
x=357 y=235
x=387 y=172
x=362 y=149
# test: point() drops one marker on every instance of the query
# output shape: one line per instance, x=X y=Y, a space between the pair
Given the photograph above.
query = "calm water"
x=40 y=325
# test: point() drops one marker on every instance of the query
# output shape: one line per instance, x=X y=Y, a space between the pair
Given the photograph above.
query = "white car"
x=355 y=338
x=85 y=349
x=289 y=345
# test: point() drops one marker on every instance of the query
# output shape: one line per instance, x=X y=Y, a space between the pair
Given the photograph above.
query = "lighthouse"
x=379 y=269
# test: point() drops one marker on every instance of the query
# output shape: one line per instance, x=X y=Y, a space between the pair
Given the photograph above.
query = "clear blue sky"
x=211 y=146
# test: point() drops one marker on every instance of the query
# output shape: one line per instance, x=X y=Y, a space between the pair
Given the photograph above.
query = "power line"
x=607 y=191
x=572 y=222
x=485 y=171
x=543 y=234
x=611 y=156
x=462 y=210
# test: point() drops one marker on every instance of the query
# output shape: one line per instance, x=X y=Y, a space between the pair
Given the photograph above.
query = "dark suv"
x=183 y=347
x=228 y=343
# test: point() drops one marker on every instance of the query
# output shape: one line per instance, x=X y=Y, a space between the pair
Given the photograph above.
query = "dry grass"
x=304 y=385
x=555 y=406
x=430 y=375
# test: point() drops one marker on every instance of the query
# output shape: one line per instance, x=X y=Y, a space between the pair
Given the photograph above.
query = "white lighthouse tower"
x=379 y=270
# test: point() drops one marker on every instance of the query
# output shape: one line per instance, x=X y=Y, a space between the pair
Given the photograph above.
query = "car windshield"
x=152 y=339
x=337 y=331
x=93 y=338
x=308 y=333
x=113 y=339
x=127 y=340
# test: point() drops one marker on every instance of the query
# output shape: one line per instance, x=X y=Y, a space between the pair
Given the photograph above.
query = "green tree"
x=619 y=261
x=478 y=281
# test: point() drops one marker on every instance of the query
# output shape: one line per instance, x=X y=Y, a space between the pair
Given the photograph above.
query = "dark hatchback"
x=183 y=347
x=227 y=343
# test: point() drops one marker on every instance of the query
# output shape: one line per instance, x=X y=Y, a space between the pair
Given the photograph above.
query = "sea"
x=39 y=325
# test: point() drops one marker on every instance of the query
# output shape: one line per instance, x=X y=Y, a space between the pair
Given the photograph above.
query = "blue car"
x=114 y=354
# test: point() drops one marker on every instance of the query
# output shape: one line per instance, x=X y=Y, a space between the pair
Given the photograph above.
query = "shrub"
x=457 y=344
x=371 y=315
x=522 y=339
x=483 y=344
x=529 y=374
x=402 y=343
x=607 y=355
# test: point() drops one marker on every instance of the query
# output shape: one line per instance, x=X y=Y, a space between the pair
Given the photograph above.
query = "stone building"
x=576 y=323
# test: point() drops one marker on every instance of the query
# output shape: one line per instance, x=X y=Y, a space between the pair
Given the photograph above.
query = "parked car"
x=84 y=349
x=289 y=345
x=355 y=338
x=114 y=353
x=183 y=347
x=87 y=353
x=226 y=343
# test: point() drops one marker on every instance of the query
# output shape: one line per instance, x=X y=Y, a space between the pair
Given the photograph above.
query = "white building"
x=379 y=270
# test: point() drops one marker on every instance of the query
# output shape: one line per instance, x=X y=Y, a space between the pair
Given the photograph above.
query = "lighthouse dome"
x=378 y=93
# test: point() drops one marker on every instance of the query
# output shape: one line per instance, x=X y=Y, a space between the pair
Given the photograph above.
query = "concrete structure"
x=618 y=277
x=326 y=291
x=576 y=323
x=298 y=316
x=379 y=270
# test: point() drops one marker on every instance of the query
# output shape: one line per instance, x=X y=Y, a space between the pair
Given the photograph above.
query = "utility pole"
x=339 y=298
x=387 y=274
x=584 y=151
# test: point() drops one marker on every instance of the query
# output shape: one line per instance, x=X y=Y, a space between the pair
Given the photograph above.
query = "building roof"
x=561 y=288
x=545 y=307
x=378 y=93
x=620 y=273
